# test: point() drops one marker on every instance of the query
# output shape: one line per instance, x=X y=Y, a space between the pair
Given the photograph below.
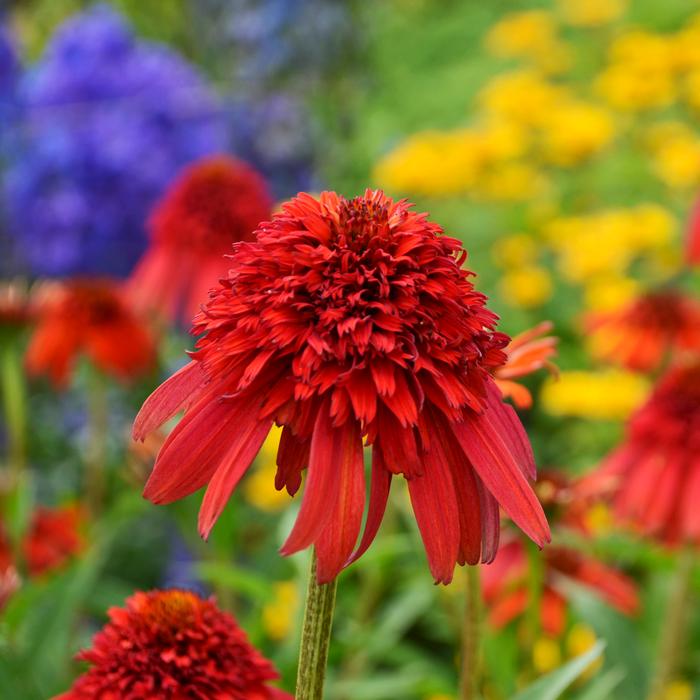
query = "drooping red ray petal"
x=331 y=448
x=502 y=476
x=378 y=496
x=194 y=449
x=511 y=430
x=249 y=437
x=338 y=538
x=553 y=612
x=435 y=507
x=662 y=498
x=169 y=398
x=401 y=402
x=363 y=396
x=398 y=446
x=617 y=589
x=490 y=523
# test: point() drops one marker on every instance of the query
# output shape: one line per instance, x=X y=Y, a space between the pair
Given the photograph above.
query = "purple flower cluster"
x=108 y=120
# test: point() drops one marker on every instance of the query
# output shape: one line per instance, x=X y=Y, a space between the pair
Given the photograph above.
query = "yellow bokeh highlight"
x=678 y=690
x=515 y=250
x=581 y=639
x=279 y=614
x=259 y=487
x=527 y=287
x=591 y=13
x=546 y=655
x=604 y=395
x=609 y=292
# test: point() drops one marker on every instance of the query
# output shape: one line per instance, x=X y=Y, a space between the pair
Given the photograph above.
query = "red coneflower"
x=641 y=334
x=692 y=244
x=53 y=538
x=344 y=320
x=526 y=353
x=654 y=475
x=506 y=582
x=210 y=206
x=173 y=645
x=88 y=317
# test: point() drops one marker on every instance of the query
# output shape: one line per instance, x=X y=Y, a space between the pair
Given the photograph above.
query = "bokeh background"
x=560 y=141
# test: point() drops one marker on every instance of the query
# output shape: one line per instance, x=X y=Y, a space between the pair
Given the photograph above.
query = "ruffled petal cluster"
x=351 y=322
x=173 y=645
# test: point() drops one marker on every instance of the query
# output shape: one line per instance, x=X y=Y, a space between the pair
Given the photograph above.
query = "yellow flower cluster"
x=604 y=395
x=604 y=244
x=547 y=653
x=591 y=13
x=675 y=149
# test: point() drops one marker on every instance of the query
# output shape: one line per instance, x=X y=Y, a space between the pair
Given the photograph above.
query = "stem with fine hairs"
x=315 y=637
x=471 y=635
x=673 y=633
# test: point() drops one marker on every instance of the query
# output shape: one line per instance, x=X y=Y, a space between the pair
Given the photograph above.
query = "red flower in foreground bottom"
x=173 y=645
x=654 y=476
x=348 y=319
x=90 y=317
x=640 y=335
x=212 y=204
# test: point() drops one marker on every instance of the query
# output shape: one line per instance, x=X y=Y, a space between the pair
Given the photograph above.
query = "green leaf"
x=551 y=686
x=602 y=687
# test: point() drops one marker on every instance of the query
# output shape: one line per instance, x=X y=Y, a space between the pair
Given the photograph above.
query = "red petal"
x=170 y=397
x=339 y=537
x=292 y=458
x=378 y=496
x=437 y=515
x=330 y=448
x=243 y=445
x=490 y=523
x=502 y=476
x=552 y=612
x=691 y=512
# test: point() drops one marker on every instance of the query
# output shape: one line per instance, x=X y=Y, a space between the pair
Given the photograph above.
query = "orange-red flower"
x=210 y=206
x=653 y=477
x=526 y=353
x=173 y=645
x=53 y=538
x=507 y=582
x=640 y=335
x=88 y=317
x=344 y=320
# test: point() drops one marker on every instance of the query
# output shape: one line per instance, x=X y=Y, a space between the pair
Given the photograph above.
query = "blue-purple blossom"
x=108 y=121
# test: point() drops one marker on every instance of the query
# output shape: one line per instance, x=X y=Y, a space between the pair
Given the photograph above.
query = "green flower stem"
x=315 y=637
x=471 y=635
x=96 y=452
x=15 y=408
x=673 y=634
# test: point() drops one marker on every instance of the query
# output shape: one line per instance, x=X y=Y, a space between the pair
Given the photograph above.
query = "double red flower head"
x=351 y=322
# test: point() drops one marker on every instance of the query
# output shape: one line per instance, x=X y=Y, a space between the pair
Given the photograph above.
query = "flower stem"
x=471 y=635
x=672 y=638
x=15 y=408
x=315 y=637
x=96 y=453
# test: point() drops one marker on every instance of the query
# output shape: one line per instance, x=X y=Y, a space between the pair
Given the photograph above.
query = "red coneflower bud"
x=211 y=205
x=654 y=475
x=640 y=335
x=88 y=317
x=349 y=319
x=173 y=645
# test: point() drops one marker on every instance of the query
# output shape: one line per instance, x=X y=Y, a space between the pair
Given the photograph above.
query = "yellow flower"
x=692 y=86
x=591 y=13
x=678 y=690
x=599 y=519
x=433 y=163
x=604 y=395
x=574 y=131
x=546 y=655
x=515 y=250
x=260 y=485
x=579 y=640
x=511 y=182
x=526 y=287
x=677 y=163
x=522 y=96
x=502 y=140
x=529 y=35
x=633 y=88
x=609 y=292
x=279 y=614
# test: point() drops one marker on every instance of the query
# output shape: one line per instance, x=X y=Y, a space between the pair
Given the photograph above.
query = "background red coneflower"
x=211 y=205
x=344 y=320
x=89 y=317
x=173 y=645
